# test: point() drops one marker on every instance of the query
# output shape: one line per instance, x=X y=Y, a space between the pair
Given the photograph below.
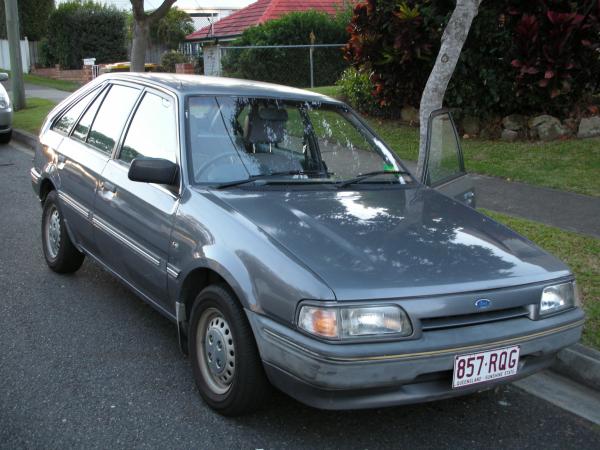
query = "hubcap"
x=216 y=351
x=53 y=232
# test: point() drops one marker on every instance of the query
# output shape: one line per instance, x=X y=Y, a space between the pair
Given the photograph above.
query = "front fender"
x=264 y=276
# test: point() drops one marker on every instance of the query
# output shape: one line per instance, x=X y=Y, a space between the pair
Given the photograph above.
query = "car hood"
x=388 y=243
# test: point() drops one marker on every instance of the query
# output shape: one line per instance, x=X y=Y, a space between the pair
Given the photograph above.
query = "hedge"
x=85 y=30
x=290 y=66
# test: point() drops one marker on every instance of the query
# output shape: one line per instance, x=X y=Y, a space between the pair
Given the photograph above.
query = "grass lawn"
x=61 y=85
x=69 y=86
x=570 y=165
x=31 y=118
x=580 y=253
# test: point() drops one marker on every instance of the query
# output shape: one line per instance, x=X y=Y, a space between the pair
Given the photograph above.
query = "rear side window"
x=152 y=131
x=68 y=119
x=83 y=127
x=111 y=117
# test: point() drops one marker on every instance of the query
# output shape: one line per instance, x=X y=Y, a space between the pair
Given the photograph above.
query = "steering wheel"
x=198 y=172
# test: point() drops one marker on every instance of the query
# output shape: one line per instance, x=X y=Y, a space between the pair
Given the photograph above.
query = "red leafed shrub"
x=396 y=45
x=556 y=51
x=520 y=56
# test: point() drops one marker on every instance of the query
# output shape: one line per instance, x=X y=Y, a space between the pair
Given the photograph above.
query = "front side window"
x=111 y=117
x=65 y=123
x=236 y=138
x=153 y=131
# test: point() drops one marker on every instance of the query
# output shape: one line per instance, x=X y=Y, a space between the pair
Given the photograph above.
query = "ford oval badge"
x=483 y=303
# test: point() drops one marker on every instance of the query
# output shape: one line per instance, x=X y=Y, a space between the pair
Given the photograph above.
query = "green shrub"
x=86 y=30
x=290 y=66
x=33 y=18
x=357 y=90
x=46 y=56
x=170 y=58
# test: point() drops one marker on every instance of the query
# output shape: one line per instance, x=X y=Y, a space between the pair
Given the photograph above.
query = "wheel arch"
x=46 y=186
x=200 y=277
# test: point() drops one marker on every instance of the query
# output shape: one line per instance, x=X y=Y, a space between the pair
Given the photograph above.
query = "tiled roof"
x=259 y=12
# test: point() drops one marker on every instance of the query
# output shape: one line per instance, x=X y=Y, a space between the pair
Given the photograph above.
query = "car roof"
x=200 y=84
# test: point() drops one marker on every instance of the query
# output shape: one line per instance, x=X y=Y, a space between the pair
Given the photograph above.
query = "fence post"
x=310 y=53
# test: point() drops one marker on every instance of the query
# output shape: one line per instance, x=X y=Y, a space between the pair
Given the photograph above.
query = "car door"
x=134 y=219
x=78 y=166
x=444 y=162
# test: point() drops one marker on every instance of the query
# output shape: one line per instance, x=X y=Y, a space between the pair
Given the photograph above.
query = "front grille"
x=438 y=323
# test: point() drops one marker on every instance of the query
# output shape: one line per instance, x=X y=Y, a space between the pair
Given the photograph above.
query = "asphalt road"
x=85 y=363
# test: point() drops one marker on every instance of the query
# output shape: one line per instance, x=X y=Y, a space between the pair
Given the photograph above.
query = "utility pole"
x=14 y=44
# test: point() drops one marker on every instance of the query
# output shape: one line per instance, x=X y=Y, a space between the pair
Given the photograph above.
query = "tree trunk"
x=453 y=40
x=141 y=30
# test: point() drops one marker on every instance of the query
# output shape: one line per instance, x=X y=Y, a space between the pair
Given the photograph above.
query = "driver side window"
x=152 y=131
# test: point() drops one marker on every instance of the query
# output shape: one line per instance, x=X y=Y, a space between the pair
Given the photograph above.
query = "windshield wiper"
x=253 y=178
x=364 y=176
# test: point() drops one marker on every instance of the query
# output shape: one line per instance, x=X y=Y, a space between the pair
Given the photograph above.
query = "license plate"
x=485 y=366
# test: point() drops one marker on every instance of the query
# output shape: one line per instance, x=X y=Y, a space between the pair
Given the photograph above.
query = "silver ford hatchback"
x=291 y=247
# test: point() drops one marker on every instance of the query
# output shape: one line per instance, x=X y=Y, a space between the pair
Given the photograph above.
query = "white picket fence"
x=5 y=55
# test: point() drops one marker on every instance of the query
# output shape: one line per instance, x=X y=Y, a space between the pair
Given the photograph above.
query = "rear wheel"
x=60 y=253
x=225 y=360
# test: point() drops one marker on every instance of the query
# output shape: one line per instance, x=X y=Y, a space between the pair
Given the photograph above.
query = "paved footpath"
x=85 y=364
x=33 y=90
x=566 y=210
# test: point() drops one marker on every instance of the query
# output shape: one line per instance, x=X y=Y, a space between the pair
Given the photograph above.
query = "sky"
x=153 y=4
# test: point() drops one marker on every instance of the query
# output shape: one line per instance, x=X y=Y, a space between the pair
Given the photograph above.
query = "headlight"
x=558 y=297
x=4 y=98
x=354 y=322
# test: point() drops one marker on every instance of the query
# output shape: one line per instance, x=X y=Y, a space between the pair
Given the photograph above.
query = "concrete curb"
x=578 y=362
x=25 y=138
x=581 y=364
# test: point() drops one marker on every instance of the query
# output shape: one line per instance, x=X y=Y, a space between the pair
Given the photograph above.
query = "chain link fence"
x=292 y=65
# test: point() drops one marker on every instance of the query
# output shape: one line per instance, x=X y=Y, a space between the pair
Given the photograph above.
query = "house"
x=218 y=34
x=207 y=12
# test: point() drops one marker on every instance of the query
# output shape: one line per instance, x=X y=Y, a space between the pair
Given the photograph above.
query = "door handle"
x=108 y=186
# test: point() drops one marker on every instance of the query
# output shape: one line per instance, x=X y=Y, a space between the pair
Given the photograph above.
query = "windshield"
x=239 y=138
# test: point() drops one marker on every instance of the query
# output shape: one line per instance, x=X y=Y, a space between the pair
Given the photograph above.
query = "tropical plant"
x=172 y=28
x=537 y=56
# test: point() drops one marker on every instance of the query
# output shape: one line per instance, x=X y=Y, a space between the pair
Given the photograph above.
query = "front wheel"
x=225 y=360
x=5 y=137
x=60 y=253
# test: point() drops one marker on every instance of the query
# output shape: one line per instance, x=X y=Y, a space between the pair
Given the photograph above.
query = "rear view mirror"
x=3 y=76
x=153 y=170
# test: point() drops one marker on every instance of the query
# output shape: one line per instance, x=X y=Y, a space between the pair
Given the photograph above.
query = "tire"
x=238 y=385
x=5 y=137
x=60 y=253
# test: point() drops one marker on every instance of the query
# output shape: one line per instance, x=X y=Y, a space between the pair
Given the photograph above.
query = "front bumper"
x=6 y=117
x=378 y=374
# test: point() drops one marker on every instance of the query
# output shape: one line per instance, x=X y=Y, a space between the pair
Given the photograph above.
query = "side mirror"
x=3 y=76
x=153 y=170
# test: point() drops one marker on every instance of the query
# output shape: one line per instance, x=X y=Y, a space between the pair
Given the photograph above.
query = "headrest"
x=265 y=125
